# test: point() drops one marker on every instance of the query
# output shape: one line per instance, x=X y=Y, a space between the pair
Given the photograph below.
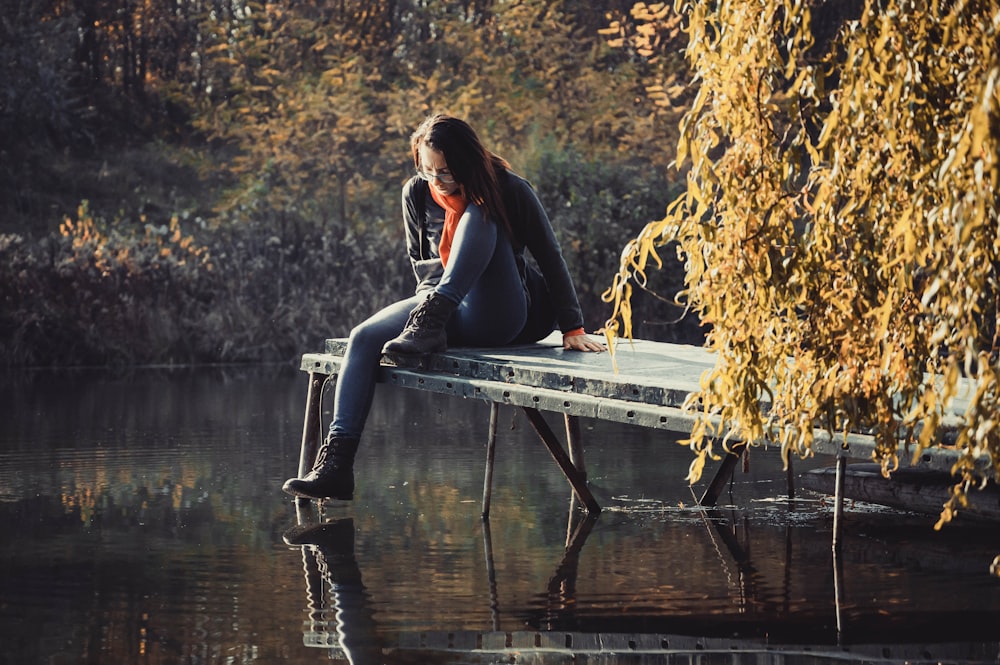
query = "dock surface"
x=648 y=387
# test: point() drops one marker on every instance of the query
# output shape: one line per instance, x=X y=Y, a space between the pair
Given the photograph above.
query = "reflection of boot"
x=333 y=536
x=332 y=475
x=330 y=547
x=334 y=545
x=425 y=329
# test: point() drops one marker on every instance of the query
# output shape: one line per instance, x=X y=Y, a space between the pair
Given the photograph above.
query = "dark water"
x=143 y=523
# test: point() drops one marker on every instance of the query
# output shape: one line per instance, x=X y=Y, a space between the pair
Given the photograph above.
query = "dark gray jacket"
x=552 y=298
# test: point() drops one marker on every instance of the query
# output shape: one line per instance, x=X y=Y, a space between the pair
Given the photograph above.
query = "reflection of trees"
x=176 y=488
x=149 y=445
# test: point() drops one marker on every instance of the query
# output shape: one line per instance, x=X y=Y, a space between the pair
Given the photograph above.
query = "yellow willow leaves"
x=839 y=229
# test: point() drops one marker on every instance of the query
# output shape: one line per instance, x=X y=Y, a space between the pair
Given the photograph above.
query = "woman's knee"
x=376 y=330
x=368 y=334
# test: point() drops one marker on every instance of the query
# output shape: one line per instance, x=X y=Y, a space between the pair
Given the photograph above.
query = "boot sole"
x=406 y=360
x=303 y=495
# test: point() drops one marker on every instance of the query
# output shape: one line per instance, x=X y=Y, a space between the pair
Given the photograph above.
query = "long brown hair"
x=474 y=167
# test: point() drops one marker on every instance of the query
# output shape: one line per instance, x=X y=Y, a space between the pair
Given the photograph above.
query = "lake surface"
x=143 y=522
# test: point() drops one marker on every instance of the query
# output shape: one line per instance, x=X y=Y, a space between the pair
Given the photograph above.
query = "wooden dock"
x=912 y=489
x=652 y=382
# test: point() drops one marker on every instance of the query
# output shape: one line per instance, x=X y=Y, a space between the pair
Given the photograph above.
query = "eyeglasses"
x=444 y=178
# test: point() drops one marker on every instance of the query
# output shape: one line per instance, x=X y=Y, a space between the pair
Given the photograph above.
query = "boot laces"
x=327 y=450
x=418 y=319
x=320 y=458
x=321 y=455
x=421 y=316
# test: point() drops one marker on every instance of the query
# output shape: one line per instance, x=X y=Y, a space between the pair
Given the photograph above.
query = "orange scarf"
x=454 y=206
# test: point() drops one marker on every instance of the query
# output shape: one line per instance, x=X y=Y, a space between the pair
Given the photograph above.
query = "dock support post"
x=491 y=447
x=790 y=479
x=838 y=507
x=838 y=526
x=310 y=423
x=576 y=480
x=574 y=441
x=722 y=476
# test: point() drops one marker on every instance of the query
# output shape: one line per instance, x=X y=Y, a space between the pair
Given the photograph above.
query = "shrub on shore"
x=178 y=290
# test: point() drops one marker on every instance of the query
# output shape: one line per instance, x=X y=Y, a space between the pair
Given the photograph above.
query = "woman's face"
x=432 y=163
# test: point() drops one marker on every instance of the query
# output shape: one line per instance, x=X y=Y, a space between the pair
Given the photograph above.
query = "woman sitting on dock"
x=468 y=220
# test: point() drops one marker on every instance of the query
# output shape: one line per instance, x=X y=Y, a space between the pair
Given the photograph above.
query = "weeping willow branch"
x=839 y=229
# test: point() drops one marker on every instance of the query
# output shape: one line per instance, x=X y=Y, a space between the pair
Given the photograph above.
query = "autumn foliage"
x=275 y=136
x=839 y=227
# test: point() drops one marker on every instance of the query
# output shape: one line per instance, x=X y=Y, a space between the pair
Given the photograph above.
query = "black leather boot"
x=332 y=475
x=425 y=329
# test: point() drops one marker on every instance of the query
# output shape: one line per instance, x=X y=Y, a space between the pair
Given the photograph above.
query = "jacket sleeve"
x=426 y=264
x=532 y=228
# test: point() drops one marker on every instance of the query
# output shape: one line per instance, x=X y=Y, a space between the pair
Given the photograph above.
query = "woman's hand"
x=582 y=342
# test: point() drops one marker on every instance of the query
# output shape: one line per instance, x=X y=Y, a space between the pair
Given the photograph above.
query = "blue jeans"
x=481 y=277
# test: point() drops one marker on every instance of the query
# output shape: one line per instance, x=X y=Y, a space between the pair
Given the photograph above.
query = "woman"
x=468 y=221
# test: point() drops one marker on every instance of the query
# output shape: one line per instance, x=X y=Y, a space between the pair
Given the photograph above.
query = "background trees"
x=275 y=137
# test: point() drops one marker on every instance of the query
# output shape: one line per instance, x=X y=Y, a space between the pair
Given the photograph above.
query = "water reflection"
x=566 y=630
x=340 y=618
x=144 y=522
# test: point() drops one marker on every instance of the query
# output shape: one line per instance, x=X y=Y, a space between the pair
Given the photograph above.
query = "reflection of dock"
x=562 y=630
x=586 y=648
x=583 y=648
